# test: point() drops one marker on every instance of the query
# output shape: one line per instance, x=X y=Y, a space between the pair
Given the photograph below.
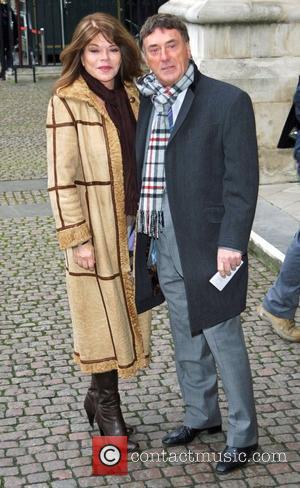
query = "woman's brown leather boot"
x=91 y=403
x=108 y=413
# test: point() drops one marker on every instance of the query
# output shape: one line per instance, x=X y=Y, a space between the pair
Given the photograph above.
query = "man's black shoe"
x=184 y=435
x=234 y=457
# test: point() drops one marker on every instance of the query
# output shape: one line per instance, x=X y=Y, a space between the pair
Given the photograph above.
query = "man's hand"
x=84 y=256
x=227 y=261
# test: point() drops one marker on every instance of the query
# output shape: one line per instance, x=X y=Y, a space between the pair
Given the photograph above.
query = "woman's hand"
x=84 y=255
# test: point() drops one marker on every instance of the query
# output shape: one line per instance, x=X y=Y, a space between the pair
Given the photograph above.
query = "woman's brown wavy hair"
x=89 y=27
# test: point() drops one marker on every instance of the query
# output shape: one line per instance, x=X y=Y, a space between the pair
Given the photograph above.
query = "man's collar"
x=197 y=75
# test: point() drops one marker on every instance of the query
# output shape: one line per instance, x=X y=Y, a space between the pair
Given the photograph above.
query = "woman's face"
x=102 y=60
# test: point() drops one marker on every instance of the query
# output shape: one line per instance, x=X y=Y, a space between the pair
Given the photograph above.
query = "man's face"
x=167 y=54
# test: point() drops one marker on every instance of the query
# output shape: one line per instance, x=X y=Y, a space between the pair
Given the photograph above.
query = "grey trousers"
x=282 y=299
x=196 y=357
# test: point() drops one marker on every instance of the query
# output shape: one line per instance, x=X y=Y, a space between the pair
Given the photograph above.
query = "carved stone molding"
x=234 y=11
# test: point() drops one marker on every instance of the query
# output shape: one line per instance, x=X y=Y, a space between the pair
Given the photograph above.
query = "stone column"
x=254 y=45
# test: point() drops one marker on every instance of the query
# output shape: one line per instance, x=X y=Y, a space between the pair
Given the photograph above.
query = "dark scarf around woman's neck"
x=119 y=110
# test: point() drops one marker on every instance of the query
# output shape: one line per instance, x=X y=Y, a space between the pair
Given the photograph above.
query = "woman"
x=93 y=192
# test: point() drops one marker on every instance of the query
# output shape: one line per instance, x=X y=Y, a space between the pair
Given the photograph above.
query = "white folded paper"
x=220 y=282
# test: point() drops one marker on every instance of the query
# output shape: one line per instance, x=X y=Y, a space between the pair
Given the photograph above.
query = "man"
x=6 y=58
x=282 y=300
x=197 y=163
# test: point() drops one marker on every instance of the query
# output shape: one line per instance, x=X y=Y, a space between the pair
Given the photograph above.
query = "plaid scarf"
x=150 y=215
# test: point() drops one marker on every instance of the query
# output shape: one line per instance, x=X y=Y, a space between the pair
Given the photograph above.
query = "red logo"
x=110 y=455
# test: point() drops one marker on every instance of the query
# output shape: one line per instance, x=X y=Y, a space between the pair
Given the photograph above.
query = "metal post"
x=37 y=31
x=29 y=34
x=62 y=24
x=118 y=9
x=2 y=55
x=9 y=56
x=43 y=47
x=32 y=64
x=20 y=48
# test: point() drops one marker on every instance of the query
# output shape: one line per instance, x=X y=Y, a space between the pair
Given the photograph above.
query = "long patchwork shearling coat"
x=85 y=181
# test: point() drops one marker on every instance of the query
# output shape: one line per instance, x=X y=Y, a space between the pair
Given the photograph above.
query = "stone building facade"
x=256 y=46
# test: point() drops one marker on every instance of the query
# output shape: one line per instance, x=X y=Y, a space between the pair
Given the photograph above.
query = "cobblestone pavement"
x=22 y=129
x=45 y=439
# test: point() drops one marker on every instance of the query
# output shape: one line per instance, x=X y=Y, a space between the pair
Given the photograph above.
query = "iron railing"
x=45 y=26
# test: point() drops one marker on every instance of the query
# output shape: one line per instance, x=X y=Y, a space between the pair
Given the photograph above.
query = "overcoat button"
x=132 y=99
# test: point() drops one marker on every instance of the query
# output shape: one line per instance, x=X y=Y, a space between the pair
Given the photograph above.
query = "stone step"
x=25 y=74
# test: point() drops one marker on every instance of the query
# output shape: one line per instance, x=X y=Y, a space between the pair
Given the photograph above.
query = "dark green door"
x=74 y=10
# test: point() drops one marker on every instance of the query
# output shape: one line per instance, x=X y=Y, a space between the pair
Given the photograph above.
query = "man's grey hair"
x=163 y=21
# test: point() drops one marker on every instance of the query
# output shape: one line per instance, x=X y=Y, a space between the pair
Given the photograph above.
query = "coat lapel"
x=184 y=110
x=141 y=134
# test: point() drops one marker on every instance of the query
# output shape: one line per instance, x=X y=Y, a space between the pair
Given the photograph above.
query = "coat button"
x=132 y=99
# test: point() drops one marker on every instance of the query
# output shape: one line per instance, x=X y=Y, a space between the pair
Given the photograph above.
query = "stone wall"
x=256 y=46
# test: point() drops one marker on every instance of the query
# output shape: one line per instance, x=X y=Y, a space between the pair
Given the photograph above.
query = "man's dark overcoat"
x=211 y=168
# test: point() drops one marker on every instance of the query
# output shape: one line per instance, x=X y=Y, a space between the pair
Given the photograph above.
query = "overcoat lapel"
x=184 y=110
x=141 y=134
